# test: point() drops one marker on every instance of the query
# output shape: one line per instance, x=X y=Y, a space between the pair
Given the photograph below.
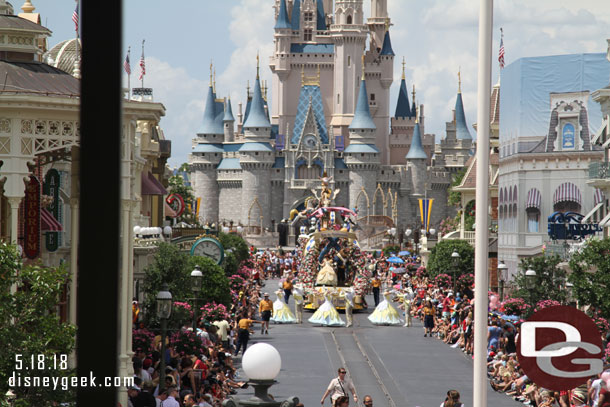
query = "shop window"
x=533 y=220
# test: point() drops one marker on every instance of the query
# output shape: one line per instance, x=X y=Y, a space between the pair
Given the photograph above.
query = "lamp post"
x=10 y=397
x=570 y=292
x=455 y=259
x=164 y=312
x=530 y=283
x=392 y=233
x=502 y=269
x=197 y=281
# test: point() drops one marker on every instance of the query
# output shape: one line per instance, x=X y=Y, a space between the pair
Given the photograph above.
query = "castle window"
x=372 y=97
x=307 y=34
x=349 y=60
x=313 y=172
x=349 y=19
x=308 y=16
x=338 y=99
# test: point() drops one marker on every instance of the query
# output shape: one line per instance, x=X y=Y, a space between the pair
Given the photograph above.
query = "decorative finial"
x=257 y=65
x=460 y=79
x=417 y=114
x=248 y=88
x=403 y=68
x=28 y=7
x=387 y=24
x=303 y=75
x=413 y=93
x=214 y=83
x=211 y=70
x=362 y=66
x=318 y=74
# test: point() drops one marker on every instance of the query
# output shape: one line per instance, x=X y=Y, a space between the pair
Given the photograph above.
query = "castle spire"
x=386 y=48
x=461 y=128
x=282 y=17
x=228 y=116
x=210 y=125
x=362 y=116
x=403 y=109
x=416 y=151
x=257 y=118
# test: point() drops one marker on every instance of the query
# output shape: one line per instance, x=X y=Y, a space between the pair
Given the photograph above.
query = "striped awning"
x=567 y=192
x=533 y=199
x=48 y=222
x=598 y=196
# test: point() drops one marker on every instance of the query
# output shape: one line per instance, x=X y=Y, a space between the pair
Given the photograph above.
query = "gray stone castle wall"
x=206 y=187
x=230 y=202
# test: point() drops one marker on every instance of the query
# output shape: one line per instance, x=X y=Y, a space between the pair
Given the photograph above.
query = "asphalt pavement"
x=397 y=366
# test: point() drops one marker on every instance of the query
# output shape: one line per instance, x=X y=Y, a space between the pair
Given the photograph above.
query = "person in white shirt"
x=338 y=387
x=171 y=401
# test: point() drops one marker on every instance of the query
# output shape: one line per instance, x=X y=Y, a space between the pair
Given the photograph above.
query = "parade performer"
x=327 y=314
x=327 y=275
x=376 y=284
x=298 y=295
x=407 y=300
x=385 y=313
x=265 y=308
x=281 y=311
x=349 y=305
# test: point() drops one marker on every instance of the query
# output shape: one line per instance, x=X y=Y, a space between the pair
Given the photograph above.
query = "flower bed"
x=443 y=280
x=186 y=342
x=515 y=306
x=214 y=312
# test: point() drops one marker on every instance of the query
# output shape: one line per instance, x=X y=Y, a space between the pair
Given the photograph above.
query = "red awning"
x=169 y=211
x=150 y=185
x=49 y=223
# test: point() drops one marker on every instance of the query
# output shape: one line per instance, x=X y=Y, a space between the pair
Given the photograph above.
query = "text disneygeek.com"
x=64 y=383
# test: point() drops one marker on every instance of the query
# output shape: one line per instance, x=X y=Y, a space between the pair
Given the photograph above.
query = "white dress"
x=385 y=313
x=327 y=314
x=281 y=312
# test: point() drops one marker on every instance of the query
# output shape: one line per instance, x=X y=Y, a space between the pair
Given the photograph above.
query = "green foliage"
x=235 y=243
x=455 y=197
x=591 y=275
x=442 y=262
x=173 y=267
x=388 y=250
x=177 y=186
x=30 y=326
x=230 y=264
x=469 y=216
x=549 y=280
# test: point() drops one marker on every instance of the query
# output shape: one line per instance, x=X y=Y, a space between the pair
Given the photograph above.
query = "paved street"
x=397 y=366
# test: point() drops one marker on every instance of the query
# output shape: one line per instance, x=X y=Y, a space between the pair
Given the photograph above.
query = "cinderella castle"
x=330 y=113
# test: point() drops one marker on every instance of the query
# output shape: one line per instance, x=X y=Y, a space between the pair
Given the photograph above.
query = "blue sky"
x=437 y=37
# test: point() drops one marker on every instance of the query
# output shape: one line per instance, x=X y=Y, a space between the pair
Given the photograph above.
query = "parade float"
x=329 y=257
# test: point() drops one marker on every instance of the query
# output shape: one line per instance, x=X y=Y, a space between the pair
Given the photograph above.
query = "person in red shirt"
x=447 y=304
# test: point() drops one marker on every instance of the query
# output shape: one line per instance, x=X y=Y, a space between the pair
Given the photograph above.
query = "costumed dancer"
x=385 y=313
x=349 y=306
x=327 y=275
x=281 y=311
x=327 y=314
x=298 y=295
x=407 y=301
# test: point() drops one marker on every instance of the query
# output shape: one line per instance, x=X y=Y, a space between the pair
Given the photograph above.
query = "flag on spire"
x=127 y=64
x=75 y=17
x=501 y=51
x=142 y=63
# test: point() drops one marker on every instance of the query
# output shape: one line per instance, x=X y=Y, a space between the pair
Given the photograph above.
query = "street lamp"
x=455 y=259
x=570 y=291
x=261 y=364
x=530 y=282
x=197 y=281
x=164 y=312
x=502 y=269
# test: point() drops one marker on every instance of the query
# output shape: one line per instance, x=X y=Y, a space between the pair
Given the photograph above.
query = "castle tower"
x=229 y=123
x=461 y=128
x=256 y=156
x=349 y=36
x=377 y=22
x=416 y=162
x=362 y=157
x=205 y=157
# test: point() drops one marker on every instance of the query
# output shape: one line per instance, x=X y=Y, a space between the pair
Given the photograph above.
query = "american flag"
x=75 y=17
x=127 y=65
x=501 y=51
x=143 y=67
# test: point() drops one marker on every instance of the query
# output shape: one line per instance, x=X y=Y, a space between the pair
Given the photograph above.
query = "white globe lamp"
x=167 y=231
x=262 y=362
x=136 y=230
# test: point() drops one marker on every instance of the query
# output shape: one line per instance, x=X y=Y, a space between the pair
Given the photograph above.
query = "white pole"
x=481 y=217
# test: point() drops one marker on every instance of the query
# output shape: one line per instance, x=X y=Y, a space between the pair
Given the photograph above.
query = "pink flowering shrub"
x=421 y=271
x=448 y=225
x=607 y=354
x=546 y=304
x=466 y=281
x=142 y=341
x=443 y=280
x=237 y=282
x=601 y=322
x=181 y=313
x=214 y=312
x=515 y=306
x=185 y=342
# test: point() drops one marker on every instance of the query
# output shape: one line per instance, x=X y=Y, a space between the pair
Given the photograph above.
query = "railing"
x=469 y=237
x=599 y=170
x=376 y=220
x=377 y=239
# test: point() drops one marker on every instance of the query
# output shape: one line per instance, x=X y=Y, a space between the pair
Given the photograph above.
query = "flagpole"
x=76 y=69
x=142 y=60
x=482 y=197
x=129 y=74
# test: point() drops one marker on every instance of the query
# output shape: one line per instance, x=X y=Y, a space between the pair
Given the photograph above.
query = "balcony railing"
x=599 y=170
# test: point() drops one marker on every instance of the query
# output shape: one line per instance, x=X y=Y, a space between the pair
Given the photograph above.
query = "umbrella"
x=510 y=317
x=395 y=259
x=399 y=270
x=404 y=253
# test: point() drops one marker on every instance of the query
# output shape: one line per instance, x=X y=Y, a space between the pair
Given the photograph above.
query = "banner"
x=425 y=210
x=31 y=219
x=51 y=188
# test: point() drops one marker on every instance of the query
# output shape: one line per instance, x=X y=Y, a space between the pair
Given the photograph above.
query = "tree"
x=549 y=281
x=30 y=326
x=235 y=243
x=177 y=186
x=591 y=275
x=173 y=267
x=455 y=197
x=442 y=262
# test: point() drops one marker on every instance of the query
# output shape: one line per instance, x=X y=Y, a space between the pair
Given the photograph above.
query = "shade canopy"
x=150 y=185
